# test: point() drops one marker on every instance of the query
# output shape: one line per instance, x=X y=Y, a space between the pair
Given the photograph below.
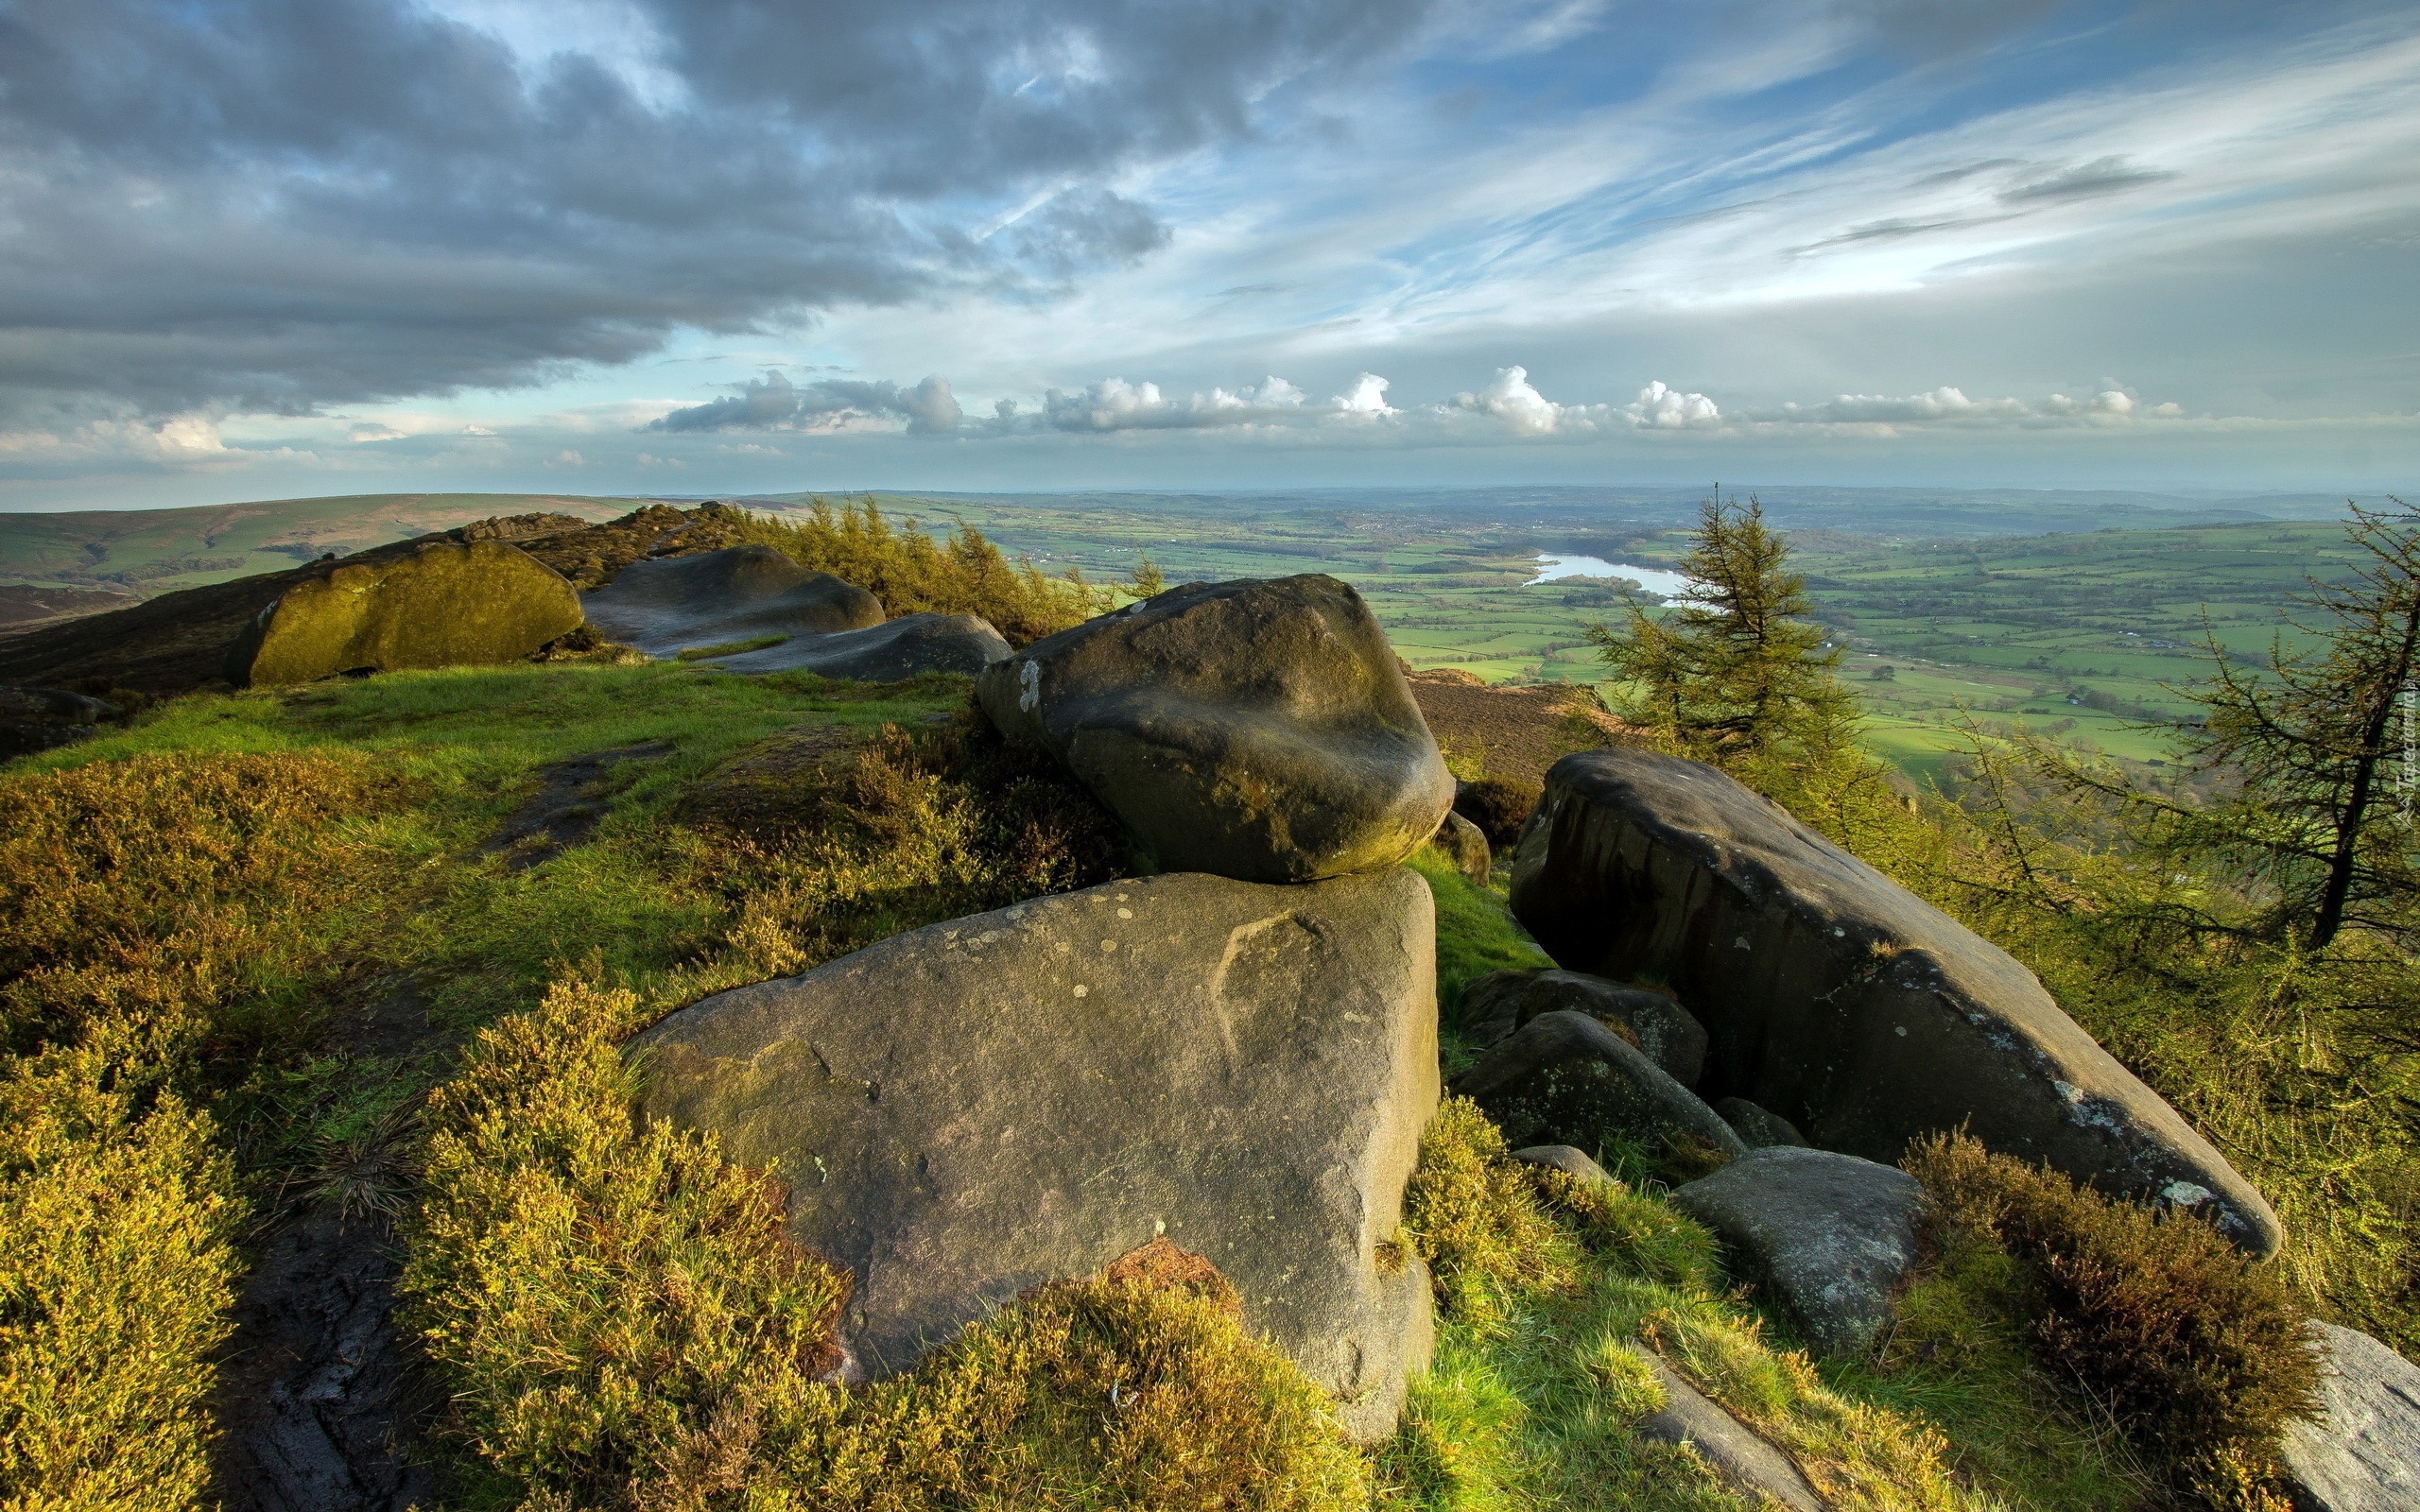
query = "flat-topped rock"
x=975 y=1107
x=436 y=603
x=1256 y=729
x=1832 y=996
x=668 y=605
x=2363 y=1453
x=889 y=652
x=1826 y=1236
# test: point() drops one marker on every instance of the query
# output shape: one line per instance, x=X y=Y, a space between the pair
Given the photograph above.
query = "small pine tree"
x=1735 y=673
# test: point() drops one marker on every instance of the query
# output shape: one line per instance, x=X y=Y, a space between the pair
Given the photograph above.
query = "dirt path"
x=322 y=1403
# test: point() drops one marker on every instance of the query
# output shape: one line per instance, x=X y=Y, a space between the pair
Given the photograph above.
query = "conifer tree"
x=2314 y=751
x=1737 y=674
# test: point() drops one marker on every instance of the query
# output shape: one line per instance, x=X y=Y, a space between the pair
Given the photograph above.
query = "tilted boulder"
x=1499 y=1003
x=1256 y=729
x=1761 y=1128
x=1567 y=1078
x=889 y=652
x=674 y=604
x=434 y=603
x=1836 y=998
x=2363 y=1453
x=1829 y=1237
x=1459 y=841
x=975 y=1107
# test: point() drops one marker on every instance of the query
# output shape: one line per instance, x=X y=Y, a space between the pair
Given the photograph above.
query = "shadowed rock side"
x=1256 y=729
x=675 y=604
x=1834 y=997
x=977 y=1107
x=438 y=604
x=888 y=652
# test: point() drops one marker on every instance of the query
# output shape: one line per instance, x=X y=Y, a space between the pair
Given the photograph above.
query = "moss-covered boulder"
x=1257 y=729
x=974 y=1109
x=438 y=604
x=1837 y=999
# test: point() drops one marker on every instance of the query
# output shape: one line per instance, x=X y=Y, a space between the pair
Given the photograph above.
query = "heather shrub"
x=2203 y=1354
x=1498 y=807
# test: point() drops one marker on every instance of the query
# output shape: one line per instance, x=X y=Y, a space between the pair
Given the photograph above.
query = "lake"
x=1654 y=579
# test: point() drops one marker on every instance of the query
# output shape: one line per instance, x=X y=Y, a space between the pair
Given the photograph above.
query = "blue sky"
x=282 y=247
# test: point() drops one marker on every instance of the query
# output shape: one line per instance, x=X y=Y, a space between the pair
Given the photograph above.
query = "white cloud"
x=1366 y=398
x=1658 y=408
x=1950 y=406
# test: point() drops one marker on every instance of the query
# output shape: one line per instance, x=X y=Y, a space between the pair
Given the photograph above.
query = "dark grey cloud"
x=773 y=403
x=2088 y=181
x=281 y=204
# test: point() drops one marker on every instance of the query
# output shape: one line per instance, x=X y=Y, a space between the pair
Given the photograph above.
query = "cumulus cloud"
x=773 y=403
x=1116 y=404
x=1949 y=405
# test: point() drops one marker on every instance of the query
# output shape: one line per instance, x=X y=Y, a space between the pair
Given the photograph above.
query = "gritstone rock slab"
x=977 y=1107
x=1836 y=998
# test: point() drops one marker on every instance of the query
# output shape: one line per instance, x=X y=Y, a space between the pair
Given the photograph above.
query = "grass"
x=759 y=642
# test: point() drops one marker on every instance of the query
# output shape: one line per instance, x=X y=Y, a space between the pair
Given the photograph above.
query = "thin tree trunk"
x=2357 y=801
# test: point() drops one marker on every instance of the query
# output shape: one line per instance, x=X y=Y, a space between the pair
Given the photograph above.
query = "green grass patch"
x=701 y=653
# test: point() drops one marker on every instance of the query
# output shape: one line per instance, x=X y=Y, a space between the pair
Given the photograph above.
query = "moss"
x=443 y=604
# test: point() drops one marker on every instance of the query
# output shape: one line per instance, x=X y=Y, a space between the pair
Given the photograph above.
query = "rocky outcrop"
x=34 y=719
x=1499 y=1003
x=975 y=1107
x=1741 y=1457
x=1567 y=1078
x=728 y=597
x=1568 y=1159
x=1827 y=1237
x=2363 y=1454
x=1261 y=731
x=438 y=604
x=889 y=652
x=1836 y=998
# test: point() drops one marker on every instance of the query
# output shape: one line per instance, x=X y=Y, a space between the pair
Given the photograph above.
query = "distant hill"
x=147 y=552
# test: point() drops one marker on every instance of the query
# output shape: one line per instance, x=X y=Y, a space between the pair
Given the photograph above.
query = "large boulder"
x=1836 y=998
x=2363 y=1454
x=709 y=598
x=977 y=1107
x=1827 y=1237
x=435 y=604
x=34 y=719
x=1261 y=731
x=1567 y=1078
x=888 y=652
x=1495 y=1005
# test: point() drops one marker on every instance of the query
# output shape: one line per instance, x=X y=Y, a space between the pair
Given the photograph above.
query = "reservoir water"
x=1654 y=579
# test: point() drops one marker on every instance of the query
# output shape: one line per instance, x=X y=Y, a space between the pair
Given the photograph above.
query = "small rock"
x=1831 y=990
x=440 y=604
x=1761 y=1127
x=1569 y=1159
x=1495 y=1005
x=2363 y=1454
x=1732 y=1448
x=1826 y=1236
x=1567 y=1078
x=1459 y=839
x=889 y=652
x=674 y=604
x=1261 y=731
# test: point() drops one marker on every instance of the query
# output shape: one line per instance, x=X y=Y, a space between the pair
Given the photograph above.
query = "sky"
x=258 y=249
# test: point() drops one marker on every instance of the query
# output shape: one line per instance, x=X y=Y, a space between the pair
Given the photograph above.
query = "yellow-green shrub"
x=913 y=574
x=610 y=1301
x=2203 y=1354
x=140 y=902
x=117 y=1214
